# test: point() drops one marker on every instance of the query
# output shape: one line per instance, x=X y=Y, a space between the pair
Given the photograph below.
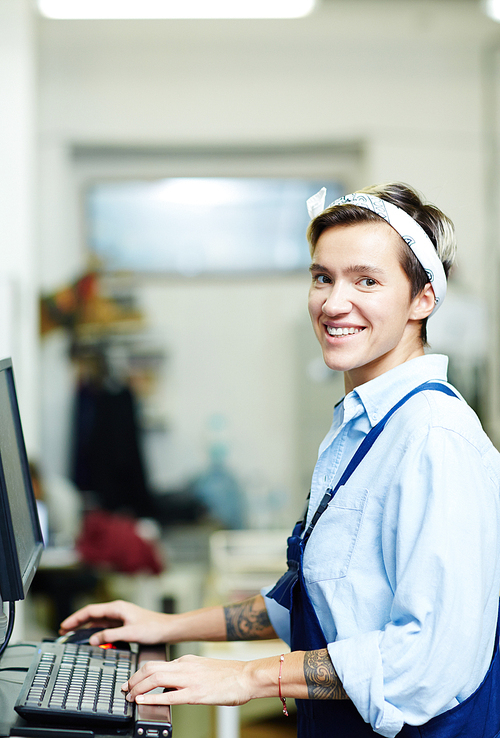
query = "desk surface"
x=19 y=656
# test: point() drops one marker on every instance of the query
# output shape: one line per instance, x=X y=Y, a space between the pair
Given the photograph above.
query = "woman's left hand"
x=192 y=680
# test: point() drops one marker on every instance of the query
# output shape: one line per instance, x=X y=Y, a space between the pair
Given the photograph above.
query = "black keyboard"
x=74 y=683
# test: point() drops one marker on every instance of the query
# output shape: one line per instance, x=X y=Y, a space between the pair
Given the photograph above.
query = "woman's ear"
x=423 y=304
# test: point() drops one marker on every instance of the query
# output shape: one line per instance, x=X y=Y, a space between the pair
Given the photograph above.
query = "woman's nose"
x=337 y=301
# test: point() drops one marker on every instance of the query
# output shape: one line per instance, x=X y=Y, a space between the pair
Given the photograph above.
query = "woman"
x=390 y=600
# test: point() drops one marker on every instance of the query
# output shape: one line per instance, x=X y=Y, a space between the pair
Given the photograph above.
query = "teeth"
x=342 y=331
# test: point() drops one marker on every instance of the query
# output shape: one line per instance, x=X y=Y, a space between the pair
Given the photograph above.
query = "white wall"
x=18 y=283
x=234 y=349
x=401 y=79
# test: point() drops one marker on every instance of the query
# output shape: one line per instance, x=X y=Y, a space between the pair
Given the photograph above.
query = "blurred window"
x=196 y=225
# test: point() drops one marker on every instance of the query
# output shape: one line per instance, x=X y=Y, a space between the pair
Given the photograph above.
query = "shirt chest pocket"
x=329 y=550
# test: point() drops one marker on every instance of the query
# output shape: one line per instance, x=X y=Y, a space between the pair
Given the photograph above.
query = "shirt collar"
x=380 y=394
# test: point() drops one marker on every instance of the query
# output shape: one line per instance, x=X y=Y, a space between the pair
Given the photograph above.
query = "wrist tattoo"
x=321 y=678
x=247 y=621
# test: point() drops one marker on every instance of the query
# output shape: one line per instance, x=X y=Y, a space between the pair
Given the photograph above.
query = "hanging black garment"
x=107 y=459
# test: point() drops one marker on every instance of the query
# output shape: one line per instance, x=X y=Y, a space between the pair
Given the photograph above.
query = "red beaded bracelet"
x=283 y=699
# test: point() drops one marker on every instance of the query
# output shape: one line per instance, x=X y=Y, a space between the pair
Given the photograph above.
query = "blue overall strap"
x=366 y=445
x=281 y=592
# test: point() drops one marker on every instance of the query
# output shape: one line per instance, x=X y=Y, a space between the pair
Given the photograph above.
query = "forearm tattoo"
x=321 y=678
x=247 y=621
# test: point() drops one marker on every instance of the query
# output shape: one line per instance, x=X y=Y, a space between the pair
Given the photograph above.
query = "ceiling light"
x=492 y=8
x=182 y=9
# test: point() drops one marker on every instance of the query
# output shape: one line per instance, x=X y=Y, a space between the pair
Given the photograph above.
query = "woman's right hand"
x=121 y=621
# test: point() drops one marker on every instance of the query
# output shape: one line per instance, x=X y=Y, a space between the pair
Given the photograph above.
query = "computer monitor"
x=21 y=541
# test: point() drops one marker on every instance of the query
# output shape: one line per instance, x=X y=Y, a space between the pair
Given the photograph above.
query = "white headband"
x=408 y=228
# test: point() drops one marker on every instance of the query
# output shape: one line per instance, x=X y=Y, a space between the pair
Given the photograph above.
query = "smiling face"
x=360 y=302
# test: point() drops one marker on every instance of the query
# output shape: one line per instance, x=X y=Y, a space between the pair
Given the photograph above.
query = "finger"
x=187 y=696
x=146 y=685
x=76 y=620
x=148 y=669
x=111 y=635
x=169 y=697
x=91 y=613
x=154 y=674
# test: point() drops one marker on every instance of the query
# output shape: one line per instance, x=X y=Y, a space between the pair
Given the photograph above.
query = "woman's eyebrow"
x=364 y=269
x=318 y=268
x=352 y=269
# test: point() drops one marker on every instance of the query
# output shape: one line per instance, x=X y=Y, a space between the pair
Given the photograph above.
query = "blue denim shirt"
x=403 y=568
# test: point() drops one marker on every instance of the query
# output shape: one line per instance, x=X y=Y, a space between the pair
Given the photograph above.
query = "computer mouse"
x=82 y=636
x=79 y=636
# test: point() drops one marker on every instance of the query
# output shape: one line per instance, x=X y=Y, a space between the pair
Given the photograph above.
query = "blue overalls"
x=476 y=717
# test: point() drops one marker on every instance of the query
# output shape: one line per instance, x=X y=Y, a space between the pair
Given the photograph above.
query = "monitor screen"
x=21 y=541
